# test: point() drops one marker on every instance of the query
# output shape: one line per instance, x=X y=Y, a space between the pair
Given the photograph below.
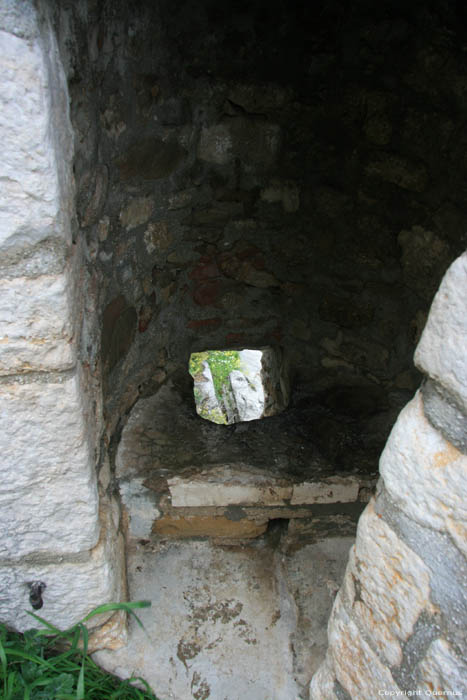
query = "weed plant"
x=50 y=664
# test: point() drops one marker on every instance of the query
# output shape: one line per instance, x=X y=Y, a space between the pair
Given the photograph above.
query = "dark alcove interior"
x=259 y=174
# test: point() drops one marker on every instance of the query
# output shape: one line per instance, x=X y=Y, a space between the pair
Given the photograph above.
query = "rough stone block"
x=442 y=671
x=208 y=526
x=228 y=485
x=73 y=588
x=357 y=666
x=30 y=196
x=393 y=584
x=423 y=473
x=441 y=350
x=36 y=324
x=48 y=456
x=215 y=145
x=253 y=142
x=335 y=489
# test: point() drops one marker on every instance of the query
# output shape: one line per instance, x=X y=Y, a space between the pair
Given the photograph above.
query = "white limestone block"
x=48 y=493
x=335 y=489
x=36 y=324
x=73 y=588
x=30 y=195
x=322 y=683
x=394 y=586
x=357 y=666
x=423 y=473
x=442 y=350
x=442 y=671
x=228 y=485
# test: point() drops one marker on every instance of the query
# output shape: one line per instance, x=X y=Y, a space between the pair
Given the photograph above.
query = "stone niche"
x=232 y=386
x=291 y=182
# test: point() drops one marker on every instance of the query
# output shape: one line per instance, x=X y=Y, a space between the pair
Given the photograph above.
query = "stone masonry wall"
x=54 y=529
x=398 y=622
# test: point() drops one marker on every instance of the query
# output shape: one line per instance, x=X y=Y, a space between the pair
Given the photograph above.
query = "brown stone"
x=208 y=526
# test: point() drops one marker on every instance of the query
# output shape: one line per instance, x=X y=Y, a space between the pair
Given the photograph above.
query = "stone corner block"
x=35 y=197
x=441 y=351
x=73 y=588
x=48 y=493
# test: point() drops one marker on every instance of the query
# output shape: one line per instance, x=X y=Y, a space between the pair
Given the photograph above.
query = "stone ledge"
x=228 y=484
x=205 y=526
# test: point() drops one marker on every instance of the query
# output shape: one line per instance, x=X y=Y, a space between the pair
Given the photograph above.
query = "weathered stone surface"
x=48 y=453
x=398 y=171
x=228 y=485
x=151 y=159
x=252 y=141
x=37 y=324
x=111 y=635
x=141 y=506
x=357 y=667
x=215 y=145
x=248 y=393
x=118 y=330
x=19 y=18
x=205 y=526
x=444 y=415
x=97 y=200
x=442 y=671
x=423 y=472
x=393 y=584
x=73 y=588
x=441 y=350
x=157 y=237
x=217 y=627
x=31 y=196
x=205 y=394
x=314 y=573
x=335 y=489
x=137 y=212
x=322 y=683
x=287 y=193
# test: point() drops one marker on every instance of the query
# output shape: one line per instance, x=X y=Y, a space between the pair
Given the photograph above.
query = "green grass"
x=35 y=666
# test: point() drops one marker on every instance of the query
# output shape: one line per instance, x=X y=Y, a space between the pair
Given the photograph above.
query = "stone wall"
x=54 y=530
x=291 y=177
x=398 y=622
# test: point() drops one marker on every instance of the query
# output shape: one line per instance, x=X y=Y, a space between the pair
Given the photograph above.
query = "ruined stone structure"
x=178 y=177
